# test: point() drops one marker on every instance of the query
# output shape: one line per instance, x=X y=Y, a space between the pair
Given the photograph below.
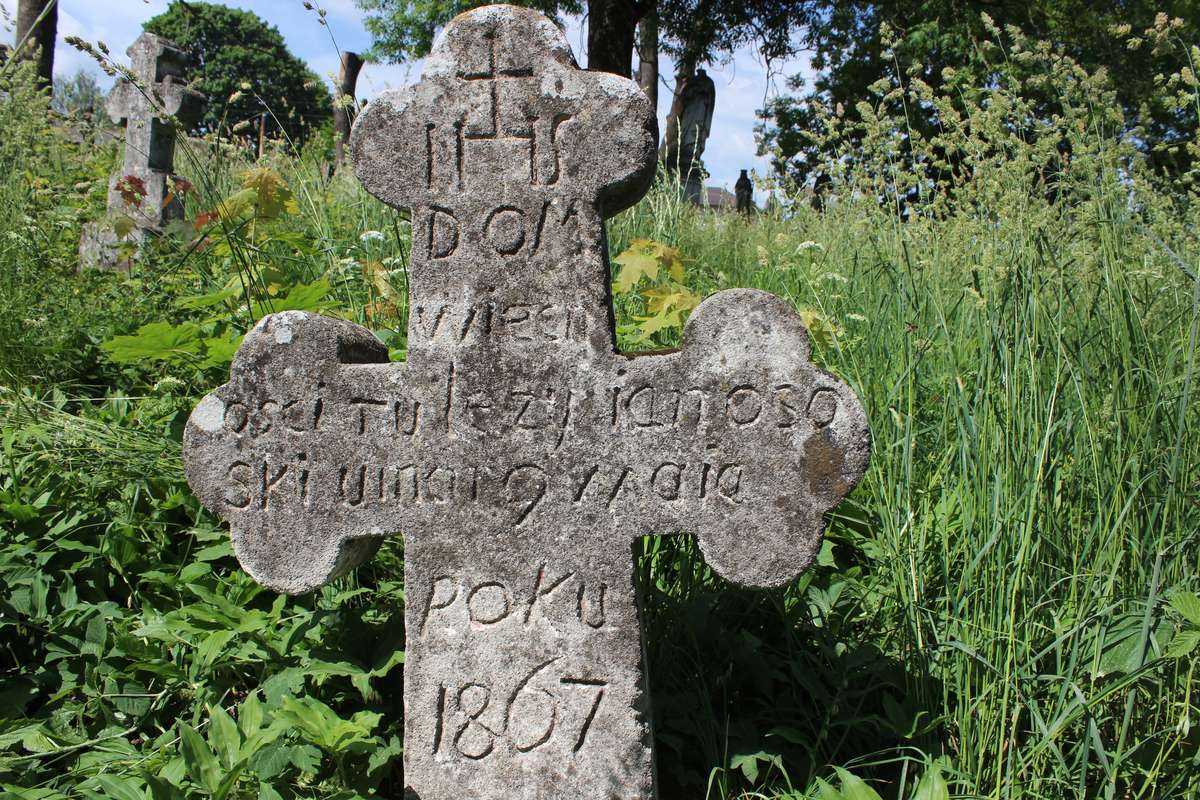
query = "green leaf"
x=223 y=736
x=644 y=258
x=265 y=792
x=229 y=781
x=827 y=792
x=161 y=789
x=854 y=788
x=250 y=715
x=662 y=321
x=218 y=351
x=271 y=760
x=1183 y=643
x=932 y=785
x=748 y=764
x=123 y=226
x=202 y=765
x=207 y=300
x=1187 y=605
x=157 y=341
x=212 y=647
x=302 y=297
x=119 y=788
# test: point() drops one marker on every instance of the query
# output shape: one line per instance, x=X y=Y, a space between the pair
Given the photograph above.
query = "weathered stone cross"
x=146 y=110
x=516 y=450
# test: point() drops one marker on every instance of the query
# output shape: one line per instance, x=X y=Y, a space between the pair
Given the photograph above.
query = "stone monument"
x=684 y=142
x=744 y=189
x=149 y=108
x=516 y=450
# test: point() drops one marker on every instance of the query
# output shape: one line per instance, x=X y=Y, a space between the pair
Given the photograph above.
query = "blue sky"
x=742 y=84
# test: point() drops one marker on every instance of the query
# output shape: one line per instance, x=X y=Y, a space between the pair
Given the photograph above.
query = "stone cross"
x=516 y=450
x=149 y=109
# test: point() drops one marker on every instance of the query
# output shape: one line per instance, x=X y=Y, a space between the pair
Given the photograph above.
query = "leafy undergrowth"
x=1005 y=608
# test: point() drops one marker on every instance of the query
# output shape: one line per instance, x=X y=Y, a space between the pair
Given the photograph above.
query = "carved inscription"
x=644 y=406
x=550 y=705
x=546 y=708
x=547 y=598
x=506 y=230
x=523 y=489
x=498 y=117
x=488 y=320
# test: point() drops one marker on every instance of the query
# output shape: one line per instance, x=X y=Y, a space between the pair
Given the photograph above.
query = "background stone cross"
x=516 y=450
x=146 y=109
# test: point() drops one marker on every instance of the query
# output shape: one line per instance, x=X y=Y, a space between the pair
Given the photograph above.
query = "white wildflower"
x=371 y=236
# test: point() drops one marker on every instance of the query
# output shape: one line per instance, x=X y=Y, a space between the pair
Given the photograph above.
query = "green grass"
x=1001 y=610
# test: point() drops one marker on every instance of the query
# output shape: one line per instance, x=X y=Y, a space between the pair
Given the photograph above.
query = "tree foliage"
x=242 y=64
x=953 y=47
x=692 y=32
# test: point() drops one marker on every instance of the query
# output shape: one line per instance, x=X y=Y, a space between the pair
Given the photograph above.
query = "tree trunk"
x=611 y=28
x=648 y=57
x=37 y=20
x=344 y=103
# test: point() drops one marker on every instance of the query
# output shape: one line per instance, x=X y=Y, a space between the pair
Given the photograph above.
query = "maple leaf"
x=670 y=297
x=123 y=226
x=637 y=261
x=662 y=321
x=132 y=189
x=661 y=298
x=820 y=329
x=207 y=217
x=377 y=275
x=645 y=257
x=271 y=192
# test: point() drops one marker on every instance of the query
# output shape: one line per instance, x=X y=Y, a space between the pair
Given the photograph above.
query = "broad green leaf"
x=250 y=715
x=271 y=760
x=748 y=764
x=826 y=792
x=202 y=765
x=35 y=740
x=161 y=789
x=212 y=647
x=1183 y=643
x=932 y=785
x=1121 y=653
x=157 y=341
x=119 y=788
x=302 y=297
x=265 y=792
x=123 y=226
x=1187 y=605
x=223 y=736
x=207 y=300
x=229 y=781
x=854 y=787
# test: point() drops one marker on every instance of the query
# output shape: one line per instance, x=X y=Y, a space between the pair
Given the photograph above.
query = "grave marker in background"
x=516 y=450
x=142 y=189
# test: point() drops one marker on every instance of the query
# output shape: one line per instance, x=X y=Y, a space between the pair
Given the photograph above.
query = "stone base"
x=99 y=247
